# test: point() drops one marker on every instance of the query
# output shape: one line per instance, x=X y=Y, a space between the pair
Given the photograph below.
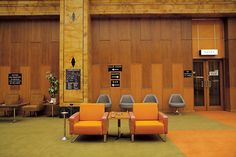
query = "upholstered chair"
x=176 y=101
x=150 y=98
x=35 y=105
x=10 y=99
x=126 y=103
x=90 y=120
x=104 y=98
x=146 y=119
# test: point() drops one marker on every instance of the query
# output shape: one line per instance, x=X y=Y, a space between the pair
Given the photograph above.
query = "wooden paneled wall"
x=74 y=25
x=208 y=34
x=230 y=62
x=30 y=47
x=153 y=53
x=190 y=7
x=29 y=7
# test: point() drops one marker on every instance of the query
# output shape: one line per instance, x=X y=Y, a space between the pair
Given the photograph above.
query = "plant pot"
x=53 y=100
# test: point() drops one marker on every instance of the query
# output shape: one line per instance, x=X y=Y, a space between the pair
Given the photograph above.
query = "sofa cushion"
x=88 y=127
x=149 y=127
x=91 y=111
x=145 y=111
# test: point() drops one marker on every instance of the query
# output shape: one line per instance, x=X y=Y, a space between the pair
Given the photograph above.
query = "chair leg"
x=163 y=139
x=132 y=137
x=105 y=138
x=177 y=110
x=73 y=138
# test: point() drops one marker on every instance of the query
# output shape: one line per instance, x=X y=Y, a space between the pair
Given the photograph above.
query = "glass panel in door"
x=214 y=83
x=198 y=76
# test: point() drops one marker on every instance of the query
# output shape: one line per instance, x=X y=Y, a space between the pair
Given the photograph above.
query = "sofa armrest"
x=72 y=120
x=132 y=122
x=105 y=123
x=164 y=119
x=74 y=117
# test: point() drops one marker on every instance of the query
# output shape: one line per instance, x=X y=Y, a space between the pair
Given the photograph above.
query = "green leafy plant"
x=54 y=84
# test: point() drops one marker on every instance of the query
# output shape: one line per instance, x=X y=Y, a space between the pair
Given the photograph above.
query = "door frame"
x=207 y=106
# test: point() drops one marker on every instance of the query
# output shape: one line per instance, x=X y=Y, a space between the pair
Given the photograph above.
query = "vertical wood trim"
x=136 y=79
x=177 y=74
x=157 y=82
x=25 y=87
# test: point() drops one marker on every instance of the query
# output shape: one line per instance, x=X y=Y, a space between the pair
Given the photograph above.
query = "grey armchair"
x=104 y=98
x=150 y=98
x=126 y=103
x=176 y=101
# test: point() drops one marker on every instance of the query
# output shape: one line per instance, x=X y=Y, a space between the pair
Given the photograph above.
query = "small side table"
x=52 y=106
x=119 y=116
x=64 y=116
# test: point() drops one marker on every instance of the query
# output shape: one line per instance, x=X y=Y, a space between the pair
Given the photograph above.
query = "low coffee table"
x=119 y=116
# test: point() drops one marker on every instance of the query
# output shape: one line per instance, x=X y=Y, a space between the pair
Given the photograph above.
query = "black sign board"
x=115 y=75
x=115 y=83
x=72 y=79
x=14 y=79
x=188 y=73
x=114 y=68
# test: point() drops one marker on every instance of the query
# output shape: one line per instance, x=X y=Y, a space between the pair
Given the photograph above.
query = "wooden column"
x=73 y=22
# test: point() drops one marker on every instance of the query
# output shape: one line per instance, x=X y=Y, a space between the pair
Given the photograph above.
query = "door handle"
x=202 y=84
x=209 y=84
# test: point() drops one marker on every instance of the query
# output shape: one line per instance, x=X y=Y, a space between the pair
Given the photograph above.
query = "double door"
x=207 y=75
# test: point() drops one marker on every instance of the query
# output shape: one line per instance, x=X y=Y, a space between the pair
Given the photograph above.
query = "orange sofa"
x=91 y=120
x=146 y=119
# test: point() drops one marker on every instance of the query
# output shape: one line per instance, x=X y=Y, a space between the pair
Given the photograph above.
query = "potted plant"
x=54 y=86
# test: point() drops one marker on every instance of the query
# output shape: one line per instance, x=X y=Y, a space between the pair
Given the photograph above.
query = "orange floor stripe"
x=222 y=116
x=205 y=143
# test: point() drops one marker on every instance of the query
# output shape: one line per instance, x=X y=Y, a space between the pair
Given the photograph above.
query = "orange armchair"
x=91 y=120
x=146 y=119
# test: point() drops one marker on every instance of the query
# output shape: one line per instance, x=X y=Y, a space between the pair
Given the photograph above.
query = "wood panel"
x=153 y=56
x=108 y=7
x=157 y=82
x=29 y=47
x=208 y=34
x=29 y=7
x=230 y=63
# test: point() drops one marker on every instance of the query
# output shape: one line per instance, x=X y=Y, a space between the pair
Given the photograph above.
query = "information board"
x=14 y=79
x=188 y=73
x=115 y=83
x=115 y=75
x=72 y=79
x=114 y=68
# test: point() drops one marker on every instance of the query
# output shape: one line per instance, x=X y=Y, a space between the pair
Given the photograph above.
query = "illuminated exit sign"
x=208 y=52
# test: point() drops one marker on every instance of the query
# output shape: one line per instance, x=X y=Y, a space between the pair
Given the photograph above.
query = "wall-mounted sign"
x=115 y=83
x=72 y=79
x=14 y=79
x=214 y=73
x=208 y=52
x=114 y=68
x=115 y=75
x=188 y=73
